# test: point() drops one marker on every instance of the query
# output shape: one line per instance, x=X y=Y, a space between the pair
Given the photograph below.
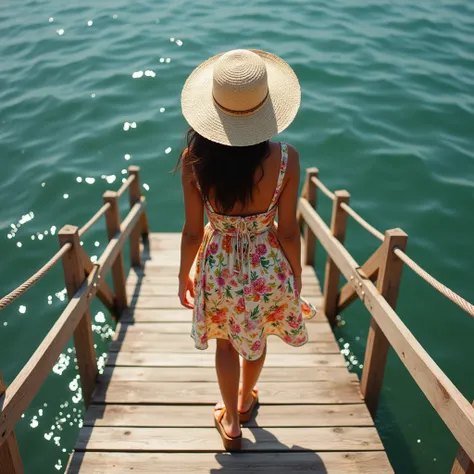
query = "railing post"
x=112 y=218
x=310 y=193
x=462 y=463
x=134 y=197
x=74 y=277
x=10 y=459
x=388 y=284
x=332 y=275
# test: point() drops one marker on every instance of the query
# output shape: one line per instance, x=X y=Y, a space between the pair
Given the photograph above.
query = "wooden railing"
x=84 y=280
x=386 y=329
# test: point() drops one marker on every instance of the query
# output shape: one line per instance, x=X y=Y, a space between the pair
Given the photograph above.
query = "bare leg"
x=228 y=374
x=250 y=373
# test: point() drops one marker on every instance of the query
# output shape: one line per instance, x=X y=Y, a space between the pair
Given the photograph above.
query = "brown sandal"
x=230 y=443
x=247 y=415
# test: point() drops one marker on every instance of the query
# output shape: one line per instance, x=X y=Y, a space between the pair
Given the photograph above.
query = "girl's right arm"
x=288 y=230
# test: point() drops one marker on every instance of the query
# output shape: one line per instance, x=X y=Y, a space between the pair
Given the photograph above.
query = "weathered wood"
x=206 y=359
x=308 y=237
x=377 y=347
x=372 y=462
x=320 y=332
x=104 y=293
x=24 y=387
x=332 y=274
x=208 y=374
x=462 y=463
x=208 y=439
x=370 y=268
x=451 y=405
x=272 y=393
x=112 y=217
x=134 y=197
x=74 y=277
x=10 y=459
x=198 y=415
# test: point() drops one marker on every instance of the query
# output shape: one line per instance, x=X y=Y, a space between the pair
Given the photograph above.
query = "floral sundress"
x=244 y=286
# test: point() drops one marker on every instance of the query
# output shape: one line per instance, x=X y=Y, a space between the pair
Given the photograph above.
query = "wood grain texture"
x=374 y=462
x=208 y=374
x=201 y=415
x=271 y=393
x=206 y=359
x=208 y=439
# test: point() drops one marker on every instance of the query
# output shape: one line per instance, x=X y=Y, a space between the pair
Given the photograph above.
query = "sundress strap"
x=281 y=174
x=206 y=202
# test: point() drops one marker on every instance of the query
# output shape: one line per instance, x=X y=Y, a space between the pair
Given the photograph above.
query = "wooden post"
x=10 y=459
x=134 y=197
x=310 y=193
x=332 y=275
x=388 y=284
x=112 y=218
x=462 y=463
x=74 y=276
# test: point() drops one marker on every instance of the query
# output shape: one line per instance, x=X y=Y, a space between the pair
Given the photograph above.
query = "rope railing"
x=323 y=188
x=437 y=285
x=125 y=185
x=94 y=219
x=17 y=292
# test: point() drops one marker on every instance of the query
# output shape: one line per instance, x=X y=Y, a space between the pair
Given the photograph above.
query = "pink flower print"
x=281 y=277
x=240 y=308
x=235 y=329
x=233 y=283
x=204 y=338
x=294 y=323
x=225 y=273
x=261 y=249
x=256 y=346
x=300 y=341
x=213 y=248
x=287 y=339
x=247 y=290
x=255 y=259
x=250 y=325
x=220 y=281
x=259 y=286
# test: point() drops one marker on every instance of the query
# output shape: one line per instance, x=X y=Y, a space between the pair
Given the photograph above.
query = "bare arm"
x=193 y=230
x=288 y=230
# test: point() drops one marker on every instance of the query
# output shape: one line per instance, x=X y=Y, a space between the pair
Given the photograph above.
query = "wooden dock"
x=152 y=410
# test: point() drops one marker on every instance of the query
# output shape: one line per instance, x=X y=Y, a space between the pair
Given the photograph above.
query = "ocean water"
x=387 y=113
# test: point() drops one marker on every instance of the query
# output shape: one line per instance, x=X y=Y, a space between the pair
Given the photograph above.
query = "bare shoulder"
x=293 y=164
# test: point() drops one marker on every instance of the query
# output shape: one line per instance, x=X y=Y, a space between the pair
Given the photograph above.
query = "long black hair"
x=226 y=171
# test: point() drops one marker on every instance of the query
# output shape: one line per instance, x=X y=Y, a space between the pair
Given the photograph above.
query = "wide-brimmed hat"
x=241 y=98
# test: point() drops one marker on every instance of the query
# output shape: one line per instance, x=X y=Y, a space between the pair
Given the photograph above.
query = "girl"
x=247 y=282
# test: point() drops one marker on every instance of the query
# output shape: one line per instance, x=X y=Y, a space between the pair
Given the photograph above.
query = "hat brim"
x=276 y=114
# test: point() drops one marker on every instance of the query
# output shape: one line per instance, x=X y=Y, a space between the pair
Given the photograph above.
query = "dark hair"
x=226 y=171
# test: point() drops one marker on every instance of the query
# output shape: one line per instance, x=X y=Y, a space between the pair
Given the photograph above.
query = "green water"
x=387 y=113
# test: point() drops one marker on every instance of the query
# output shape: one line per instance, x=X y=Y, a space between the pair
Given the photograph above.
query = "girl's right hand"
x=185 y=285
x=298 y=285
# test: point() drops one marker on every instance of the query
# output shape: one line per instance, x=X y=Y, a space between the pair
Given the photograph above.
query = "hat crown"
x=240 y=84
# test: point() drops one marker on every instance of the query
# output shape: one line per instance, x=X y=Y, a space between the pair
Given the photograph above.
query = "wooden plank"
x=370 y=268
x=374 y=462
x=74 y=276
x=208 y=374
x=201 y=415
x=309 y=249
x=462 y=463
x=448 y=401
x=112 y=217
x=206 y=359
x=377 y=345
x=184 y=343
x=10 y=459
x=208 y=439
x=320 y=332
x=332 y=273
x=176 y=393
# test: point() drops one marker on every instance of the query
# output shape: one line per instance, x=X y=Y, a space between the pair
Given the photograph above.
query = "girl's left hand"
x=185 y=285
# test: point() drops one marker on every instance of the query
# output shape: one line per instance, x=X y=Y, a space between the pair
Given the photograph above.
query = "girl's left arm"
x=193 y=230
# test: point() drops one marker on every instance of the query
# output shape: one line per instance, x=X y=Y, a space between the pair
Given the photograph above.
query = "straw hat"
x=240 y=98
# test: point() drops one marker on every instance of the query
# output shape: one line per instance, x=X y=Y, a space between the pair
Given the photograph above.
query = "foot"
x=244 y=405
x=232 y=429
